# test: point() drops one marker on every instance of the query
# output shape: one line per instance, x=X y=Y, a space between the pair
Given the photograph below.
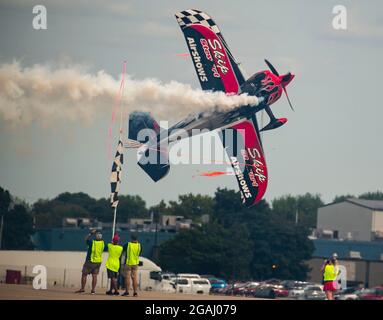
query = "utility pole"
x=156 y=237
x=367 y=275
x=156 y=217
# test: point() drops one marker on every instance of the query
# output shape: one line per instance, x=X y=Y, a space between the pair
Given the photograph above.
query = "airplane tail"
x=153 y=156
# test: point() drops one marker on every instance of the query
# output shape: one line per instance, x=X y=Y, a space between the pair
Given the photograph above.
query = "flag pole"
x=115 y=191
x=114 y=222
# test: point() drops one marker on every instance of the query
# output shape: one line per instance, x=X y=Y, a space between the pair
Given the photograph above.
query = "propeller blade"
x=273 y=70
x=288 y=99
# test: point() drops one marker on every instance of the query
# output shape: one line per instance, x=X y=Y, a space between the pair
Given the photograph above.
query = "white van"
x=193 y=285
x=169 y=276
x=189 y=275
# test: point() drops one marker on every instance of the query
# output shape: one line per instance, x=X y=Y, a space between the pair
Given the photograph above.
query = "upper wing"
x=243 y=146
x=216 y=67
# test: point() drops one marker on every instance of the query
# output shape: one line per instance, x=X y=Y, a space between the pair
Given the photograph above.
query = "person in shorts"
x=330 y=274
x=133 y=251
x=93 y=259
x=113 y=264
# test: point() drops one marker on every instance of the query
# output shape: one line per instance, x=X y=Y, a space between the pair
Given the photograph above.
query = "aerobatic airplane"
x=217 y=70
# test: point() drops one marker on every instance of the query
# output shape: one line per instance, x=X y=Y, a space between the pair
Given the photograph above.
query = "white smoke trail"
x=45 y=95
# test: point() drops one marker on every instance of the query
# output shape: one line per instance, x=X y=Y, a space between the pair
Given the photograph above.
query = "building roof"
x=369 y=204
x=371 y=251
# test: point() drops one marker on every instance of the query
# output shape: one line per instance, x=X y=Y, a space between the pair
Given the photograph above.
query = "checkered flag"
x=115 y=177
x=189 y=17
x=194 y=16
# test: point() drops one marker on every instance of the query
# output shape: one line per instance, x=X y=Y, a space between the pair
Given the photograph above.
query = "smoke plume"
x=44 y=95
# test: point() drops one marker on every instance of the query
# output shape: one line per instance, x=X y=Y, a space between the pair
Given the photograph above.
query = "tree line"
x=265 y=241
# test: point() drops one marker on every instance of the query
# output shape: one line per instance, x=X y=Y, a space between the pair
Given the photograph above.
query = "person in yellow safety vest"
x=113 y=264
x=133 y=251
x=330 y=274
x=93 y=259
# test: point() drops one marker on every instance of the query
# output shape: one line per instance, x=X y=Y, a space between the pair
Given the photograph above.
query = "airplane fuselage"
x=265 y=85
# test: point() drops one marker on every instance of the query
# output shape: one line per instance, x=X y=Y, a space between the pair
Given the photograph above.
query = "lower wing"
x=243 y=146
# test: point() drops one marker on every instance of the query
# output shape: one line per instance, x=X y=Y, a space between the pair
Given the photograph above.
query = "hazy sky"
x=331 y=145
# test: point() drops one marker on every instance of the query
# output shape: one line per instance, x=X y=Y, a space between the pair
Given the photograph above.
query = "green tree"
x=192 y=206
x=280 y=250
x=18 y=228
x=131 y=207
x=229 y=210
x=97 y=209
x=342 y=198
x=277 y=241
x=161 y=208
x=304 y=207
x=227 y=206
x=5 y=200
x=49 y=213
x=377 y=195
x=210 y=249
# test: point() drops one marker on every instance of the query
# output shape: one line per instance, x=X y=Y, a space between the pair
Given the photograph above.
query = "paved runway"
x=25 y=292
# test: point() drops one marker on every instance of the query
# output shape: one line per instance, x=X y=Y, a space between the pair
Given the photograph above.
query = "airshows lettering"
x=241 y=178
x=157 y=310
x=197 y=59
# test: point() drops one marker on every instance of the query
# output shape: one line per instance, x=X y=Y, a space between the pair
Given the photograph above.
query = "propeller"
x=274 y=71
x=288 y=99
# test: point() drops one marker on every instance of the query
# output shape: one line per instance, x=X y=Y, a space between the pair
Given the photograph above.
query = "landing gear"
x=274 y=122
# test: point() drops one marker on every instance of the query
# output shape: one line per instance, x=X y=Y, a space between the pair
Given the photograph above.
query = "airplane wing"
x=216 y=67
x=244 y=148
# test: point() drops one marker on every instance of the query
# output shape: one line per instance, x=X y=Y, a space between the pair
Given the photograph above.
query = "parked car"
x=270 y=289
x=280 y=291
x=250 y=288
x=312 y=292
x=264 y=291
x=348 y=294
x=235 y=288
x=217 y=285
x=193 y=285
x=375 y=293
x=201 y=286
x=161 y=283
x=240 y=289
x=297 y=288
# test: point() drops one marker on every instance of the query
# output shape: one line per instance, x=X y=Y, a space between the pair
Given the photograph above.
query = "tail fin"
x=153 y=157
x=141 y=120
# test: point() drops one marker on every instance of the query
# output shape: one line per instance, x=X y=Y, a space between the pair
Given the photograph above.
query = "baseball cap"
x=116 y=238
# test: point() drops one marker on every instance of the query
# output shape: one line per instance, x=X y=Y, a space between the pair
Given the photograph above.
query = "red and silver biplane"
x=217 y=70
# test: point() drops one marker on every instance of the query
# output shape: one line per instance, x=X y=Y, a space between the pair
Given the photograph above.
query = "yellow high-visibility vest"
x=330 y=272
x=133 y=253
x=96 y=252
x=113 y=262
